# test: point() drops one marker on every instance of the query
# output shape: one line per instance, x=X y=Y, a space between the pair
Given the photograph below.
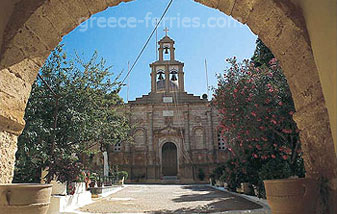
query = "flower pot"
x=25 y=198
x=80 y=187
x=292 y=196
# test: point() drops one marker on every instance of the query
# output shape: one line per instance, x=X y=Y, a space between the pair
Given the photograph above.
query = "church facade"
x=175 y=133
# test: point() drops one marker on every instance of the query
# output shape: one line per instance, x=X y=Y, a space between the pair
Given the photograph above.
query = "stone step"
x=170 y=180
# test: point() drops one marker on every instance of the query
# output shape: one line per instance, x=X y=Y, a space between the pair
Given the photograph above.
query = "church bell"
x=174 y=77
x=160 y=76
x=166 y=50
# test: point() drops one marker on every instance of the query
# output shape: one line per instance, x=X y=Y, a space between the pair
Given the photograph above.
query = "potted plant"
x=122 y=176
x=80 y=182
x=94 y=179
x=288 y=193
x=25 y=198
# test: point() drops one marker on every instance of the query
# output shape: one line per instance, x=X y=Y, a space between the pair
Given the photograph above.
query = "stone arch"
x=199 y=138
x=169 y=160
x=37 y=26
x=177 y=142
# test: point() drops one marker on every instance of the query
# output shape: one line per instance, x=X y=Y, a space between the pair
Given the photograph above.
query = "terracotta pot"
x=292 y=196
x=25 y=198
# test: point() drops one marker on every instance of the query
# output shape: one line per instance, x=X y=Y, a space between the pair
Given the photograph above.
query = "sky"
x=119 y=33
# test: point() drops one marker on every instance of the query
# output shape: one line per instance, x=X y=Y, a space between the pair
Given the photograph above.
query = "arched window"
x=118 y=147
x=221 y=142
x=160 y=75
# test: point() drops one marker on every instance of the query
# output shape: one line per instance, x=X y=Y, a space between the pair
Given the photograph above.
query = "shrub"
x=122 y=174
x=201 y=174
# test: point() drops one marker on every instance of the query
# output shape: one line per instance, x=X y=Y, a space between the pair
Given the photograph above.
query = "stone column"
x=172 y=49
x=8 y=149
x=167 y=78
x=15 y=87
x=187 y=132
x=318 y=148
x=153 y=79
x=181 y=79
x=161 y=56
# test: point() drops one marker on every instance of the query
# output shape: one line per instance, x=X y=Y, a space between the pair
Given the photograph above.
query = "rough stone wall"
x=7 y=156
x=198 y=149
x=37 y=26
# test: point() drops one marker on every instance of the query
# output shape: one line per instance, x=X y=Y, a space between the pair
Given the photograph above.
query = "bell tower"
x=167 y=73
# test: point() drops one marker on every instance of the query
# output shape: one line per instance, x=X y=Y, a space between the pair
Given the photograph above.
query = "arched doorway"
x=169 y=159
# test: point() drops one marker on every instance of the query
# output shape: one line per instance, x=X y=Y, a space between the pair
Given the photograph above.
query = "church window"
x=167 y=52
x=117 y=147
x=221 y=142
x=161 y=75
x=173 y=75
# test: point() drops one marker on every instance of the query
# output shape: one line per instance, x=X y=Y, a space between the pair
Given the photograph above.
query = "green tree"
x=262 y=54
x=72 y=107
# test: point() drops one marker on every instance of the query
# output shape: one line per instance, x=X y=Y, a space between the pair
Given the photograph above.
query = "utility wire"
x=147 y=41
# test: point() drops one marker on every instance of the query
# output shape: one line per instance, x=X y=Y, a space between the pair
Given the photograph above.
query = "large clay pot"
x=292 y=196
x=25 y=198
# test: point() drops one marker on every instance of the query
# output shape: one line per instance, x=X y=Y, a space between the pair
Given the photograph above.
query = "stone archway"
x=169 y=160
x=37 y=26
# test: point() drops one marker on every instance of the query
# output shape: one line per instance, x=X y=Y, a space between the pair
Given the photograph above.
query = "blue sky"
x=119 y=33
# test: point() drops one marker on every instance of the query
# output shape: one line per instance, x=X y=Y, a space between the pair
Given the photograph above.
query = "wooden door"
x=169 y=160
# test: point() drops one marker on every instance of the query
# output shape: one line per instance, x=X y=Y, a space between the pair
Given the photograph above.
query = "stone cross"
x=166 y=30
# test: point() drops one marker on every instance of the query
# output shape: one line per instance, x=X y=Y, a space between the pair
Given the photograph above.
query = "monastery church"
x=175 y=133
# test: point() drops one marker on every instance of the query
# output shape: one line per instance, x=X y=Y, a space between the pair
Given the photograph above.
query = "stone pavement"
x=170 y=199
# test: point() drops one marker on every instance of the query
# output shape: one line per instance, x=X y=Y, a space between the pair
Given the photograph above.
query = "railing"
x=108 y=180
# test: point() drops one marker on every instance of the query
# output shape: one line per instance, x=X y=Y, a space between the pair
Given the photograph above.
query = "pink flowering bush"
x=256 y=110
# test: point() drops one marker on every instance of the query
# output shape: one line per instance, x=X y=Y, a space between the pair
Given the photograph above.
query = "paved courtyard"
x=169 y=199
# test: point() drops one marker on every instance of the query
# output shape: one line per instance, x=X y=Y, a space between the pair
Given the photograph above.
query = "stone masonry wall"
x=7 y=156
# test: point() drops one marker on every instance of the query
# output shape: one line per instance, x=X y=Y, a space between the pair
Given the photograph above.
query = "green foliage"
x=94 y=176
x=218 y=172
x=79 y=112
x=232 y=175
x=256 y=110
x=122 y=174
x=262 y=54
